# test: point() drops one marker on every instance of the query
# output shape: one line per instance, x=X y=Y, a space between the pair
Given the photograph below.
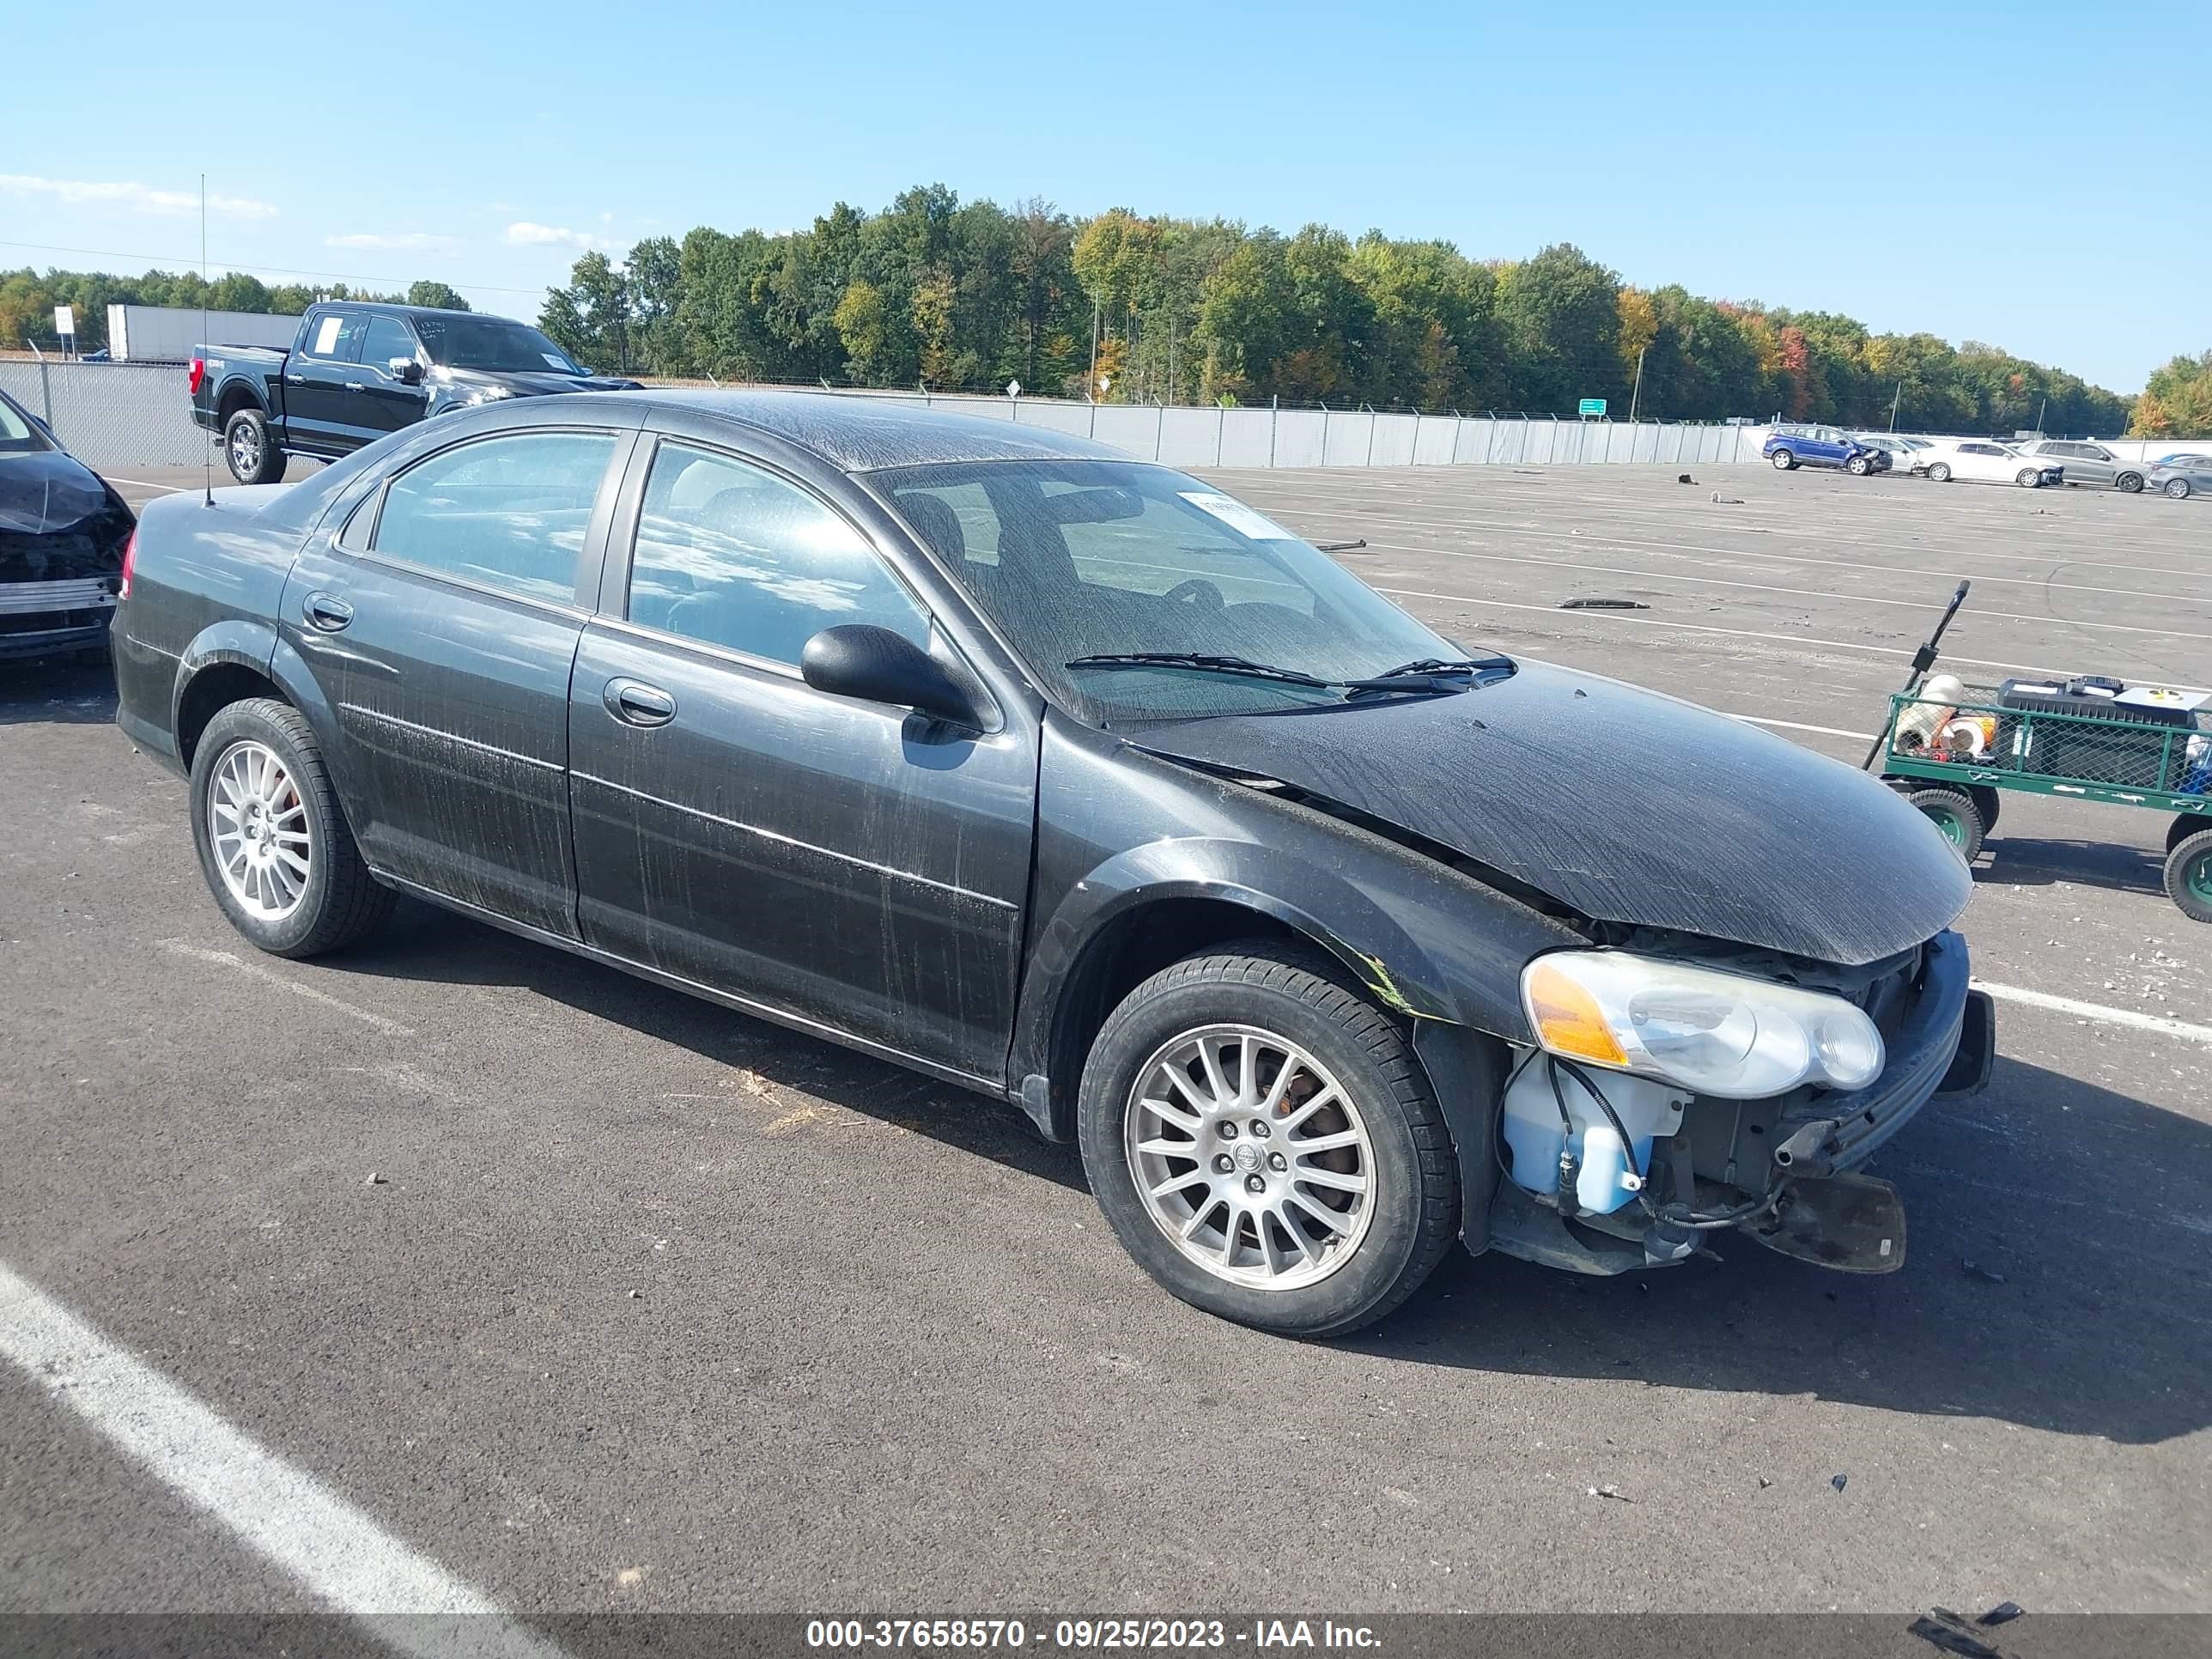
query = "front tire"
x=1261 y=1141
x=1859 y=464
x=2129 y=484
x=2028 y=478
x=273 y=845
x=2189 y=875
x=1939 y=473
x=1782 y=459
x=2178 y=489
x=251 y=450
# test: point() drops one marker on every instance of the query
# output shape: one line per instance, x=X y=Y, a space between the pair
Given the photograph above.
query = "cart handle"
x=1923 y=660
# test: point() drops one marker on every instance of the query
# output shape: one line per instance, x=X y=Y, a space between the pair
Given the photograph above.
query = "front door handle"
x=326 y=612
x=635 y=703
x=295 y=380
x=355 y=385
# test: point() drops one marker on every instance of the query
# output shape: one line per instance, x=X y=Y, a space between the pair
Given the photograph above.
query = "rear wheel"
x=1988 y=802
x=250 y=449
x=2178 y=489
x=2189 y=875
x=2028 y=478
x=2130 y=482
x=1953 y=812
x=1261 y=1141
x=1782 y=459
x=274 y=846
x=1940 y=473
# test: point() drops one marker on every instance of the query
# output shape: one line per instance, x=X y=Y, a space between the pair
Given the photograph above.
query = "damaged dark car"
x=63 y=533
x=1077 y=781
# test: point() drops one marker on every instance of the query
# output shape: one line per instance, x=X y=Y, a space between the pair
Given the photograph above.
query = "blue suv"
x=1822 y=446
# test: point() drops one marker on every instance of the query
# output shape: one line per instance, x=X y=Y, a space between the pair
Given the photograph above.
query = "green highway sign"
x=1592 y=406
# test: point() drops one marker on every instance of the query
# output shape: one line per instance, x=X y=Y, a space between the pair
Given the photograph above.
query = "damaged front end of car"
x=1679 y=1089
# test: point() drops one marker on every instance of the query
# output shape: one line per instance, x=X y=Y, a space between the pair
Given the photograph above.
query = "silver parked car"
x=2088 y=463
x=2181 y=476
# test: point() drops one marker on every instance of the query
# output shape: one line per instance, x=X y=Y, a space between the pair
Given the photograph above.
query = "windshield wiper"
x=1199 y=662
x=1427 y=674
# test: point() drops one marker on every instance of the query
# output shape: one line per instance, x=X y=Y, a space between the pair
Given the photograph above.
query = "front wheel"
x=1953 y=812
x=250 y=449
x=1860 y=465
x=2028 y=478
x=1782 y=459
x=2189 y=875
x=273 y=845
x=1261 y=1141
x=1940 y=473
x=2178 y=489
x=2129 y=483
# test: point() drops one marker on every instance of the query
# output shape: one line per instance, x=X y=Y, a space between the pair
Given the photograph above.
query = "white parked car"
x=1981 y=461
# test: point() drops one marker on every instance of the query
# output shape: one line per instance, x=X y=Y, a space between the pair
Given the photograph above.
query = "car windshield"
x=491 y=342
x=19 y=435
x=1087 y=559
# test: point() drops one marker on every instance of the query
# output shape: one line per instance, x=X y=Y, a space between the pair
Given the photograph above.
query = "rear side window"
x=733 y=556
x=508 y=512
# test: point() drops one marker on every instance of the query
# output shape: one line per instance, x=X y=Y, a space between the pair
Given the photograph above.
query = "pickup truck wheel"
x=1953 y=812
x=274 y=846
x=1261 y=1139
x=2189 y=875
x=1784 y=460
x=250 y=449
x=2128 y=483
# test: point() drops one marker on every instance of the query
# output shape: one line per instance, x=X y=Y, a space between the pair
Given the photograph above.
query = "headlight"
x=1715 y=1033
x=487 y=394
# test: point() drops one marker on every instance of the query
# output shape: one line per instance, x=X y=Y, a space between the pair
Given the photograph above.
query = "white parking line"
x=177 y=947
x=1798 y=726
x=2129 y=1017
x=280 y=1512
x=145 y=483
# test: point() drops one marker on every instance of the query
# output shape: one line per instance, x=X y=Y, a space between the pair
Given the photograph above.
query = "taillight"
x=130 y=558
x=199 y=373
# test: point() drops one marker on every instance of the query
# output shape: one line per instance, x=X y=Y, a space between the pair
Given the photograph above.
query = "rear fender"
x=237 y=641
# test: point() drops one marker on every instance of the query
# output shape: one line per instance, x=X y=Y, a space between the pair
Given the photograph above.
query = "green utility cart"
x=1954 y=749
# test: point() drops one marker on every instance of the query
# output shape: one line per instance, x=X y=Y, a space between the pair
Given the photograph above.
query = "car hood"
x=57 y=521
x=1624 y=805
x=530 y=383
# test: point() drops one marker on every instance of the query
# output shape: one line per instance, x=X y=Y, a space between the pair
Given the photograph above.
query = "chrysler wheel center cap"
x=1248 y=1159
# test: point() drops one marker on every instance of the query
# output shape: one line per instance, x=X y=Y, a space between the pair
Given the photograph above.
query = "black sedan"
x=1077 y=781
x=62 y=533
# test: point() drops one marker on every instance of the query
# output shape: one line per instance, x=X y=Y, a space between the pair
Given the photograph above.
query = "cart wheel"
x=1989 y=803
x=2184 y=826
x=1953 y=812
x=2189 y=875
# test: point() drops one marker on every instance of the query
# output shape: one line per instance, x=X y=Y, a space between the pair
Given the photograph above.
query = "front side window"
x=508 y=512
x=387 y=338
x=338 y=335
x=731 y=554
x=1087 y=558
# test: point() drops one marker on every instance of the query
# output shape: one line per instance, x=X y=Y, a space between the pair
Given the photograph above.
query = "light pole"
x=1638 y=393
x=1893 y=402
x=1092 y=389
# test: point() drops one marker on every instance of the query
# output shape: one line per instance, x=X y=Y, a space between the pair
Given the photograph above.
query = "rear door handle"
x=355 y=385
x=326 y=612
x=635 y=703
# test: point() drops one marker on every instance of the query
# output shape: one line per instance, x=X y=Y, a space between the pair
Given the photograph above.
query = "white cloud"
x=135 y=197
x=523 y=233
x=402 y=240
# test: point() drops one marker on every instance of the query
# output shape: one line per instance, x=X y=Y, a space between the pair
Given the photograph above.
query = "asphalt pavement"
x=594 y=1296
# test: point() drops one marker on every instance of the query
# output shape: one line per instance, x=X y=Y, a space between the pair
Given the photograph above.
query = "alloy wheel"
x=258 y=826
x=245 y=450
x=1250 y=1157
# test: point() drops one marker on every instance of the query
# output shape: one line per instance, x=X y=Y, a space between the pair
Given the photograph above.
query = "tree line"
x=969 y=296
x=27 y=300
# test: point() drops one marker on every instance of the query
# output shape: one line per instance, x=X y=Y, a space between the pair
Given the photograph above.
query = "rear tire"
x=299 y=887
x=1207 y=1233
x=2189 y=875
x=249 y=450
x=1953 y=812
x=2178 y=489
x=1939 y=473
x=1784 y=460
x=2129 y=484
x=1989 y=803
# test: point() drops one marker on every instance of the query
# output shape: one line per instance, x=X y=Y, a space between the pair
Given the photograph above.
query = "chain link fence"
x=122 y=415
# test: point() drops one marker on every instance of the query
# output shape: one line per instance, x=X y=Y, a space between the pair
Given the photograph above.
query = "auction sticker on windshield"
x=1238 y=517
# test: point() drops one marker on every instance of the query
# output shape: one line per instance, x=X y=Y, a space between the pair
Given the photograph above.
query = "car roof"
x=857 y=433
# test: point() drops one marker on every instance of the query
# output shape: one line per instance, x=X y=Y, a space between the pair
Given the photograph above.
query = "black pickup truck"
x=356 y=372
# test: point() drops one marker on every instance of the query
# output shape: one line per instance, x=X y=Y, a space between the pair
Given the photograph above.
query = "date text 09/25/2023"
x=1088 y=1634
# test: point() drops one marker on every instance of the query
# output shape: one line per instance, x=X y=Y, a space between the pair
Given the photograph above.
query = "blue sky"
x=2031 y=175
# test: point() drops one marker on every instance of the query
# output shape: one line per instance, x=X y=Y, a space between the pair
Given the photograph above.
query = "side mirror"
x=859 y=659
x=406 y=371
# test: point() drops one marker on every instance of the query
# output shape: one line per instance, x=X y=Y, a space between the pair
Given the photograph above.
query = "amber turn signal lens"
x=1567 y=1018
